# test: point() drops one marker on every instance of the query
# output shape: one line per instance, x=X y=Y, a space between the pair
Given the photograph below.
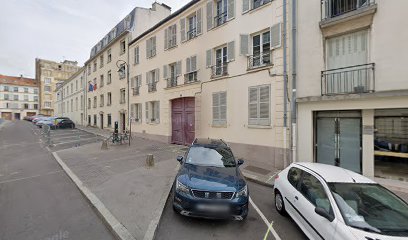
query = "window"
x=192 y=25
x=82 y=102
x=35 y=106
x=35 y=90
x=89 y=69
x=152 y=78
x=6 y=97
x=6 y=88
x=89 y=103
x=220 y=61
x=101 y=100
x=35 y=98
x=137 y=55
x=136 y=112
x=94 y=117
x=122 y=47
x=191 y=69
x=171 y=73
x=294 y=175
x=122 y=74
x=76 y=104
x=109 y=56
x=26 y=90
x=136 y=82
x=220 y=157
x=95 y=100
x=109 y=100
x=261 y=51
x=313 y=191
x=101 y=61
x=259 y=105
x=25 y=106
x=94 y=66
x=47 y=104
x=224 y=10
x=170 y=37
x=151 y=47
x=101 y=82
x=109 y=120
x=257 y=3
x=15 y=89
x=109 y=80
x=219 y=104
x=15 y=97
x=47 y=80
x=152 y=112
x=25 y=97
x=122 y=95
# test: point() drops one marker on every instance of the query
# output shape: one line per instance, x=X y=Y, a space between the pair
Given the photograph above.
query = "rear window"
x=215 y=157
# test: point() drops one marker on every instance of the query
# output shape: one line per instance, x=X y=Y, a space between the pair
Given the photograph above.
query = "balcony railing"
x=172 y=81
x=259 y=3
x=151 y=87
x=335 y=8
x=349 y=80
x=259 y=60
x=136 y=91
x=190 y=77
x=191 y=34
x=219 y=70
x=220 y=19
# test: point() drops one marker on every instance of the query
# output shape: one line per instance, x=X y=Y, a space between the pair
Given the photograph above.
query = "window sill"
x=153 y=123
x=260 y=67
x=260 y=126
x=219 y=125
x=171 y=47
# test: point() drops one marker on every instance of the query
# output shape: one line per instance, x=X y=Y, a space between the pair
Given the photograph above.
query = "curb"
x=88 y=131
x=255 y=179
x=151 y=230
x=120 y=232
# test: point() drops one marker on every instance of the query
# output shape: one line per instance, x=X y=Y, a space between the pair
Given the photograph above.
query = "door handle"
x=296 y=198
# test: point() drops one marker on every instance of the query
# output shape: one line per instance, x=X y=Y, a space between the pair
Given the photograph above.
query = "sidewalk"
x=129 y=196
x=97 y=131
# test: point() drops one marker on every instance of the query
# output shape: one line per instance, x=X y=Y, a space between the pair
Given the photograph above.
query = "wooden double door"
x=183 y=120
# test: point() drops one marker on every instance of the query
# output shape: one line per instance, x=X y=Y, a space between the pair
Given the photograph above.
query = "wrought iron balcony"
x=136 y=91
x=151 y=87
x=335 y=8
x=191 y=34
x=219 y=70
x=172 y=81
x=220 y=19
x=259 y=3
x=190 y=77
x=260 y=60
x=349 y=80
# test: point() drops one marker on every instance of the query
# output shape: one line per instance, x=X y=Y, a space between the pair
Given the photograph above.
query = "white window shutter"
x=216 y=106
x=253 y=106
x=154 y=46
x=231 y=9
x=188 y=65
x=231 y=51
x=183 y=29
x=194 y=63
x=139 y=80
x=165 y=72
x=264 y=105
x=209 y=15
x=223 y=107
x=133 y=82
x=209 y=58
x=199 y=15
x=147 y=112
x=178 y=68
x=157 y=73
x=157 y=112
x=148 y=48
x=244 y=49
x=166 y=39
x=245 y=6
x=276 y=36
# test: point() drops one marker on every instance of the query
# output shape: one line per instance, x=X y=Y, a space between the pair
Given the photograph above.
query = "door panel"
x=177 y=131
x=183 y=121
x=349 y=144
x=326 y=144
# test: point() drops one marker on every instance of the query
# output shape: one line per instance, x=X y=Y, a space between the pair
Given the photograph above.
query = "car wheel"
x=279 y=203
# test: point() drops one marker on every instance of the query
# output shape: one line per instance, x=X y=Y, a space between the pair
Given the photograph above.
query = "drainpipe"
x=294 y=61
x=285 y=85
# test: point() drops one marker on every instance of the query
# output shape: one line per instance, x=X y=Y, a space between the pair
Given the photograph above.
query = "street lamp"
x=123 y=70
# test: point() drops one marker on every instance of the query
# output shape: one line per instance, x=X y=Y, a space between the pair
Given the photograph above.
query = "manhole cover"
x=257 y=170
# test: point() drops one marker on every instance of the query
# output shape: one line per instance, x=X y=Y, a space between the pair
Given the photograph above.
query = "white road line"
x=268 y=224
x=74 y=136
x=56 y=144
x=35 y=176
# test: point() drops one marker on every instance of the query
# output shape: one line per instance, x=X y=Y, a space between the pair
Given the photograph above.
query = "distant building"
x=48 y=74
x=19 y=97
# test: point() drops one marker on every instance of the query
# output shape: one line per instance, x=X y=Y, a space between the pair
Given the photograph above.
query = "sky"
x=58 y=29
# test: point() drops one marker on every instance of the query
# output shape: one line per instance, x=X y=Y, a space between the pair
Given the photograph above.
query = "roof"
x=19 y=81
x=208 y=142
x=332 y=173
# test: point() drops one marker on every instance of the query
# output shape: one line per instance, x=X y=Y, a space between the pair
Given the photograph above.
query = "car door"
x=313 y=194
x=290 y=191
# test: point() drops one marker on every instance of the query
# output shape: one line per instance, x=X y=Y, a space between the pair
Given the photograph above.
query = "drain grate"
x=257 y=170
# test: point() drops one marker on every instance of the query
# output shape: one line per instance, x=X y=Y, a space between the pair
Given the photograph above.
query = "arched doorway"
x=183 y=120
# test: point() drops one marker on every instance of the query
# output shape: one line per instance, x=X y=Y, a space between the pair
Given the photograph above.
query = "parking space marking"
x=35 y=176
x=72 y=136
x=268 y=224
x=56 y=144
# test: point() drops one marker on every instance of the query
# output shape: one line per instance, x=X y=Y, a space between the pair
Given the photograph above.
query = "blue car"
x=209 y=183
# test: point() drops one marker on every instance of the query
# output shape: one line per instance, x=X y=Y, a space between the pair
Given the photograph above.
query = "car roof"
x=332 y=173
x=208 y=142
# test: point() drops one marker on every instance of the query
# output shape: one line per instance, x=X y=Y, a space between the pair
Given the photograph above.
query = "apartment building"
x=215 y=69
x=352 y=86
x=18 y=97
x=49 y=74
x=70 y=98
x=106 y=93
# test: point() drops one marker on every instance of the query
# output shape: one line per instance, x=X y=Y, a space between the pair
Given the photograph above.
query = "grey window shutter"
x=231 y=9
x=276 y=36
x=253 y=106
x=209 y=58
x=157 y=112
x=231 y=51
x=245 y=6
x=244 y=38
x=137 y=55
x=223 y=107
x=209 y=15
x=183 y=29
x=216 y=106
x=165 y=72
x=147 y=112
x=264 y=105
x=174 y=35
x=199 y=15
x=178 y=68
x=194 y=63
x=139 y=80
x=166 y=39
x=148 y=48
x=154 y=46
x=133 y=82
x=188 y=65
x=157 y=74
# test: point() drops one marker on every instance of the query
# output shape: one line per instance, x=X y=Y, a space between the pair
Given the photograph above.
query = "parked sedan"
x=64 y=123
x=209 y=183
x=45 y=121
x=329 y=202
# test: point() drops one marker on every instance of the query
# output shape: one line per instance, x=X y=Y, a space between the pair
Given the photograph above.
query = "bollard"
x=149 y=160
x=104 y=145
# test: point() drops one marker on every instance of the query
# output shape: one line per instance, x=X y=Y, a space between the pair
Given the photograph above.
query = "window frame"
x=258 y=121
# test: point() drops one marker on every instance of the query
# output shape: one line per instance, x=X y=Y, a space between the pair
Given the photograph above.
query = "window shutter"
x=139 y=108
x=223 y=107
x=244 y=50
x=216 y=106
x=148 y=48
x=157 y=73
x=209 y=58
x=231 y=9
x=174 y=35
x=245 y=6
x=132 y=110
x=183 y=29
x=154 y=46
x=147 y=78
x=253 y=106
x=194 y=63
x=166 y=39
x=276 y=36
x=139 y=80
x=188 y=65
x=133 y=82
x=231 y=51
x=264 y=105
x=209 y=15
x=157 y=111
x=165 y=71
x=147 y=112
x=199 y=15
x=178 y=68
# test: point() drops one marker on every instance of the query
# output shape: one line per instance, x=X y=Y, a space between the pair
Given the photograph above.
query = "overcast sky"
x=58 y=29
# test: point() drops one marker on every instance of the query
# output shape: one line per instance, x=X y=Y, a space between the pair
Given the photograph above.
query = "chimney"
x=21 y=76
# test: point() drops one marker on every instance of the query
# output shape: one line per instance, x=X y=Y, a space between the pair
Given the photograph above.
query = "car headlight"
x=243 y=192
x=181 y=188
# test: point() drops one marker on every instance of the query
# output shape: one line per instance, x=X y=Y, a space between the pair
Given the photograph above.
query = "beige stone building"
x=352 y=86
x=49 y=74
x=70 y=98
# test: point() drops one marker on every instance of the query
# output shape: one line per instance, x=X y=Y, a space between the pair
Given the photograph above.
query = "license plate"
x=213 y=208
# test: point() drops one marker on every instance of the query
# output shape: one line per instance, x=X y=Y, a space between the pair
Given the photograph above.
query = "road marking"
x=73 y=136
x=56 y=144
x=268 y=224
x=18 y=145
x=25 y=178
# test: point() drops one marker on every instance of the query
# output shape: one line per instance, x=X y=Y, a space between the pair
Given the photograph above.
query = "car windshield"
x=216 y=157
x=371 y=207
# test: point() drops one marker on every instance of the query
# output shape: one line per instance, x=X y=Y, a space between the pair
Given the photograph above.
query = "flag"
x=91 y=88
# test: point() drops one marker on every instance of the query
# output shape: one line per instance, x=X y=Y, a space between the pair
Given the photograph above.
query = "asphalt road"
x=37 y=200
x=174 y=226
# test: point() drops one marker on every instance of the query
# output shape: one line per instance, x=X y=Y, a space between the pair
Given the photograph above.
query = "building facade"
x=19 y=97
x=49 y=74
x=70 y=98
x=106 y=101
x=352 y=86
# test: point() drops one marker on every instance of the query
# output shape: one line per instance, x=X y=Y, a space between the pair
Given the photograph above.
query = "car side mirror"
x=322 y=212
x=240 y=162
x=180 y=159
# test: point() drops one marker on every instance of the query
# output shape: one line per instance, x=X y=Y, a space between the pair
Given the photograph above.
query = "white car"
x=333 y=203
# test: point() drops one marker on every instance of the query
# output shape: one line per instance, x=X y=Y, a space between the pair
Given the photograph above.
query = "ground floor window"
x=94 y=123
x=109 y=120
x=152 y=112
